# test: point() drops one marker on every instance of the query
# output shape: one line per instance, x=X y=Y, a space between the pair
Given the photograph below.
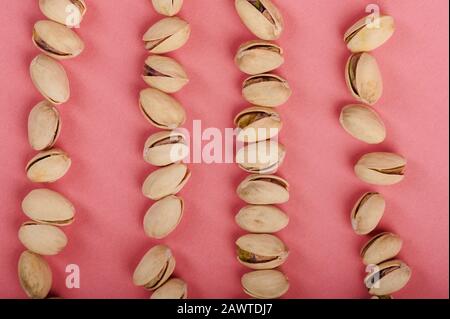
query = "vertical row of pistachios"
x=48 y=210
x=165 y=149
x=387 y=275
x=261 y=155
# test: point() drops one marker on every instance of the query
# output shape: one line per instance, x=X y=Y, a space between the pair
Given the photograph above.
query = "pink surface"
x=104 y=132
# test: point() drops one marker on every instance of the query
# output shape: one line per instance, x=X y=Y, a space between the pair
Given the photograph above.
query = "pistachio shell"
x=380 y=248
x=165 y=148
x=263 y=190
x=35 y=275
x=67 y=12
x=257 y=124
x=266 y=90
x=163 y=217
x=154 y=268
x=365 y=35
x=367 y=213
x=363 y=123
x=382 y=297
x=381 y=168
x=164 y=74
x=388 y=277
x=363 y=78
x=167 y=7
x=263 y=157
x=261 y=17
x=42 y=239
x=48 y=207
x=56 y=40
x=262 y=219
x=173 y=289
x=166 y=35
x=265 y=284
x=166 y=181
x=50 y=79
x=48 y=166
x=161 y=110
x=256 y=57
x=44 y=126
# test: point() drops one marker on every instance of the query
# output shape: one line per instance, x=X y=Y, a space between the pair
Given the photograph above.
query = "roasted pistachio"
x=265 y=284
x=164 y=74
x=388 y=277
x=381 y=168
x=44 y=125
x=42 y=239
x=257 y=124
x=367 y=213
x=380 y=248
x=257 y=56
x=163 y=217
x=166 y=181
x=263 y=157
x=165 y=148
x=363 y=123
x=67 y=12
x=264 y=190
x=173 y=289
x=166 y=35
x=262 y=219
x=167 y=7
x=35 y=275
x=48 y=166
x=266 y=90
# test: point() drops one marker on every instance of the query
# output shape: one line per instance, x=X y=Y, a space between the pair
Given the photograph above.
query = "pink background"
x=104 y=132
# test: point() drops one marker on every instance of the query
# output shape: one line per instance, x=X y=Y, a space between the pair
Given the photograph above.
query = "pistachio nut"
x=363 y=78
x=380 y=248
x=261 y=17
x=166 y=181
x=262 y=219
x=388 y=277
x=363 y=123
x=44 y=126
x=381 y=168
x=263 y=157
x=42 y=239
x=154 y=268
x=261 y=251
x=174 y=288
x=367 y=213
x=67 y=12
x=161 y=110
x=264 y=190
x=165 y=148
x=257 y=124
x=167 y=7
x=56 y=40
x=257 y=56
x=368 y=33
x=265 y=284
x=50 y=79
x=266 y=90
x=48 y=207
x=382 y=297
x=35 y=275
x=164 y=74
x=163 y=217
x=48 y=166
x=166 y=35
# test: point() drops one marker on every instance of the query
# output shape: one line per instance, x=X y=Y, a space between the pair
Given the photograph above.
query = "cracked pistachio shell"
x=35 y=275
x=166 y=35
x=363 y=78
x=263 y=190
x=164 y=74
x=265 y=284
x=48 y=166
x=266 y=90
x=381 y=168
x=66 y=12
x=261 y=251
x=257 y=56
x=161 y=110
x=165 y=148
x=380 y=248
x=56 y=40
x=48 y=207
x=363 y=123
x=263 y=157
x=166 y=181
x=388 y=278
x=368 y=34
x=154 y=268
x=44 y=126
x=42 y=239
x=262 y=219
x=367 y=213
x=174 y=288
x=257 y=124
x=167 y=7
x=163 y=217
x=50 y=79
x=261 y=17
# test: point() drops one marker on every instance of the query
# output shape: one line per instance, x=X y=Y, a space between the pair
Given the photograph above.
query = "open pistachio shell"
x=154 y=268
x=66 y=12
x=381 y=168
x=265 y=284
x=44 y=126
x=263 y=157
x=166 y=35
x=380 y=248
x=367 y=213
x=174 y=288
x=48 y=166
x=388 y=278
x=164 y=74
x=167 y=7
x=166 y=181
x=262 y=219
x=257 y=124
x=257 y=56
x=165 y=148
x=163 y=217
x=35 y=275
x=363 y=123
x=266 y=90
x=263 y=190
x=42 y=239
